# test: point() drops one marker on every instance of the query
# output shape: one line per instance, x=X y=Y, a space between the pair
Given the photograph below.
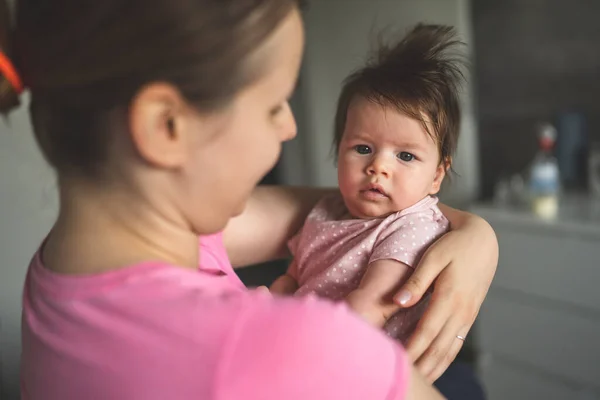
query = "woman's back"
x=152 y=331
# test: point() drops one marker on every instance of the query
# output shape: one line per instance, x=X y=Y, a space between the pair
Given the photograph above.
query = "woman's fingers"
x=429 y=327
x=448 y=359
x=442 y=350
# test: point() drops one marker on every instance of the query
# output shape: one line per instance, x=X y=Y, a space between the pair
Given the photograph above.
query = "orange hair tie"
x=10 y=73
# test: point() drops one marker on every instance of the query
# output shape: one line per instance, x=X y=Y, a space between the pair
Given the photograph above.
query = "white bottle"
x=544 y=180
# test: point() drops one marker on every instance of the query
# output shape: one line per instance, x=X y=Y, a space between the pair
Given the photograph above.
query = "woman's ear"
x=440 y=174
x=157 y=125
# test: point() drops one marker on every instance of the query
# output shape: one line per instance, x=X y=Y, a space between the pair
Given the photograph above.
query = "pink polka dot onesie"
x=332 y=251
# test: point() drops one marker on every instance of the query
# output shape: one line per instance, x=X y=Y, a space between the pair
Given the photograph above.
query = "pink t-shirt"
x=332 y=251
x=155 y=331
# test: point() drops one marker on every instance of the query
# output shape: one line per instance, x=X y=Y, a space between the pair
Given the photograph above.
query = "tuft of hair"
x=420 y=76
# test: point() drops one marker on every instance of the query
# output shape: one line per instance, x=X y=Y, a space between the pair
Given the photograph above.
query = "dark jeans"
x=460 y=383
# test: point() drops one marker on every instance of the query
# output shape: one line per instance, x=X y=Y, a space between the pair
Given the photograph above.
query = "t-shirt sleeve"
x=213 y=252
x=310 y=349
x=406 y=239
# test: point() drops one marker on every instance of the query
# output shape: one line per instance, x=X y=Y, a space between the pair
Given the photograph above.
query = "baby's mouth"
x=374 y=191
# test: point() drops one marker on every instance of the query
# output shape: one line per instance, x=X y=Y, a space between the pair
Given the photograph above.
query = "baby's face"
x=387 y=162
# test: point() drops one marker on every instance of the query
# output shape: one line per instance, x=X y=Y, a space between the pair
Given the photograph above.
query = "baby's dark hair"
x=420 y=76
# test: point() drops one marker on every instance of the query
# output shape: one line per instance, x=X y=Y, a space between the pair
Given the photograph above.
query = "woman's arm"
x=458 y=218
x=275 y=213
x=271 y=217
x=419 y=389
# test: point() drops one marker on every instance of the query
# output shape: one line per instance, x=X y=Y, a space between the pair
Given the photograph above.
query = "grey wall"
x=28 y=206
x=339 y=36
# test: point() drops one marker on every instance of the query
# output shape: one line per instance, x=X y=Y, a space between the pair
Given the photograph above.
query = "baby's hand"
x=284 y=285
x=370 y=308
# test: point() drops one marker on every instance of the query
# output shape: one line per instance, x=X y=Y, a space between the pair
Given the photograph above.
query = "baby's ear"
x=440 y=174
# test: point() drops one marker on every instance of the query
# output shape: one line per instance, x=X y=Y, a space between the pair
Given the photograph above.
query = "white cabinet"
x=538 y=333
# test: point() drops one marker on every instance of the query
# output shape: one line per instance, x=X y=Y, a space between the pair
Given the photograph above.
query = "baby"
x=396 y=130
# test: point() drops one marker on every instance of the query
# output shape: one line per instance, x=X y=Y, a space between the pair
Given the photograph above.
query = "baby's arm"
x=286 y=284
x=373 y=298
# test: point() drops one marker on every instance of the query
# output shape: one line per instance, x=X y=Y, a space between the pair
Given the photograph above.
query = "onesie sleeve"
x=407 y=238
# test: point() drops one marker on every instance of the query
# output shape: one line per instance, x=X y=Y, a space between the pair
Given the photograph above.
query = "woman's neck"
x=101 y=229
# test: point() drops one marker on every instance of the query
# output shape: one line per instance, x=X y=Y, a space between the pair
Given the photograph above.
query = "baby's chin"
x=370 y=211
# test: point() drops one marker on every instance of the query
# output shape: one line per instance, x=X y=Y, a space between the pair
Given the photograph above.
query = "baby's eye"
x=362 y=149
x=405 y=156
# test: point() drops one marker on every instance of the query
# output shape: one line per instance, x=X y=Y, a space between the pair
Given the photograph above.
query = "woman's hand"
x=461 y=266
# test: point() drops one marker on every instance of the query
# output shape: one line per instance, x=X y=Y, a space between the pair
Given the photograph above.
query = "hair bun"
x=11 y=84
x=9 y=98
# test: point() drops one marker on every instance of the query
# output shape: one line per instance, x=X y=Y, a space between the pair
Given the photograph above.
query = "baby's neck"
x=348 y=215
